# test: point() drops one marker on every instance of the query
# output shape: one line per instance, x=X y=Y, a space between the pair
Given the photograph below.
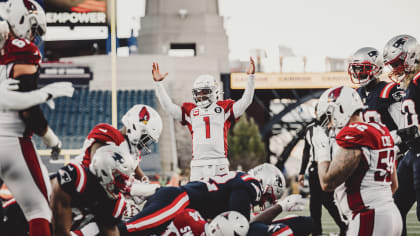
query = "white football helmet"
x=366 y=65
x=401 y=54
x=26 y=18
x=272 y=181
x=113 y=167
x=205 y=90
x=230 y=223
x=143 y=125
x=339 y=104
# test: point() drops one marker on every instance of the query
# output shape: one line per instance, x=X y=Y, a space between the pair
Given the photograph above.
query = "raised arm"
x=14 y=100
x=240 y=106
x=163 y=97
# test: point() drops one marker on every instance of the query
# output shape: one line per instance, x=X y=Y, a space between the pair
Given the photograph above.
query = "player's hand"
x=141 y=189
x=157 y=76
x=9 y=84
x=251 y=67
x=292 y=202
x=301 y=180
x=4 y=32
x=59 y=89
x=88 y=229
x=55 y=151
x=321 y=143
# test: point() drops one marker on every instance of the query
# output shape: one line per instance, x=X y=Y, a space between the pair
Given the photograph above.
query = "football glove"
x=58 y=89
x=321 y=143
x=292 y=202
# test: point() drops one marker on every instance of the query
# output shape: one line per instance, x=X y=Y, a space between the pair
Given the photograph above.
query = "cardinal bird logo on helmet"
x=144 y=115
x=332 y=97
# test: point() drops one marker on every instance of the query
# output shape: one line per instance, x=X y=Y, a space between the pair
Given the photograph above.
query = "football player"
x=362 y=169
x=402 y=54
x=22 y=169
x=382 y=100
x=97 y=188
x=235 y=191
x=208 y=120
x=142 y=128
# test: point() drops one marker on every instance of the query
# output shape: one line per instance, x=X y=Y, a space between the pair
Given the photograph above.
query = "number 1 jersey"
x=209 y=127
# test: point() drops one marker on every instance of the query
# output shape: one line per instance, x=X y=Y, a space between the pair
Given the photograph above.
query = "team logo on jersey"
x=144 y=115
x=196 y=112
x=217 y=109
x=398 y=96
x=333 y=95
x=64 y=176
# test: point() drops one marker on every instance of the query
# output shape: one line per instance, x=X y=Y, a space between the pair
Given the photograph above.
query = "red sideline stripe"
x=131 y=227
x=33 y=165
x=8 y=203
x=386 y=90
x=367 y=220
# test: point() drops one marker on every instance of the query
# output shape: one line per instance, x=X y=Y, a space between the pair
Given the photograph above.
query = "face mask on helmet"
x=228 y=223
x=401 y=56
x=205 y=91
x=366 y=66
x=145 y=143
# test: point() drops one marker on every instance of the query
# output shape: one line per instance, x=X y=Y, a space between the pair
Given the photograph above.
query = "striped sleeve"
x=72 y=178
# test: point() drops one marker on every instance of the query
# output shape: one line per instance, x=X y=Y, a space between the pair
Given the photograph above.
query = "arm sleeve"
x=166 y=102
x=21 y=100
x=305 y=156
x=242 y=104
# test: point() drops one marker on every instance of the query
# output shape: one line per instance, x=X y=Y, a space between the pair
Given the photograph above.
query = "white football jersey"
x=369 y=187
x=26 y=53
x=209 y=128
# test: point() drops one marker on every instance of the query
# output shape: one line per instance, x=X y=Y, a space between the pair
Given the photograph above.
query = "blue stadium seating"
x=73 y=118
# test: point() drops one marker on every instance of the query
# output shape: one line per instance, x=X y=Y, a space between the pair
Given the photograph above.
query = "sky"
x=311 y=28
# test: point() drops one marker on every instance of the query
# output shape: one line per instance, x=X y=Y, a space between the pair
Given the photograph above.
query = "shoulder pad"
x=21 y=51
x=372 y=135
x=187 y=107
x=226 y=104
x=72 y=178
x=388 y=89
x=105 y=133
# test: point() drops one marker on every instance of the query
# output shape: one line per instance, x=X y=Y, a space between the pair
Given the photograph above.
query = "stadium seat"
x=73 y=118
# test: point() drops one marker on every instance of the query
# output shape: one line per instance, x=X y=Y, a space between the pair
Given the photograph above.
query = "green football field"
x=329 y=226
